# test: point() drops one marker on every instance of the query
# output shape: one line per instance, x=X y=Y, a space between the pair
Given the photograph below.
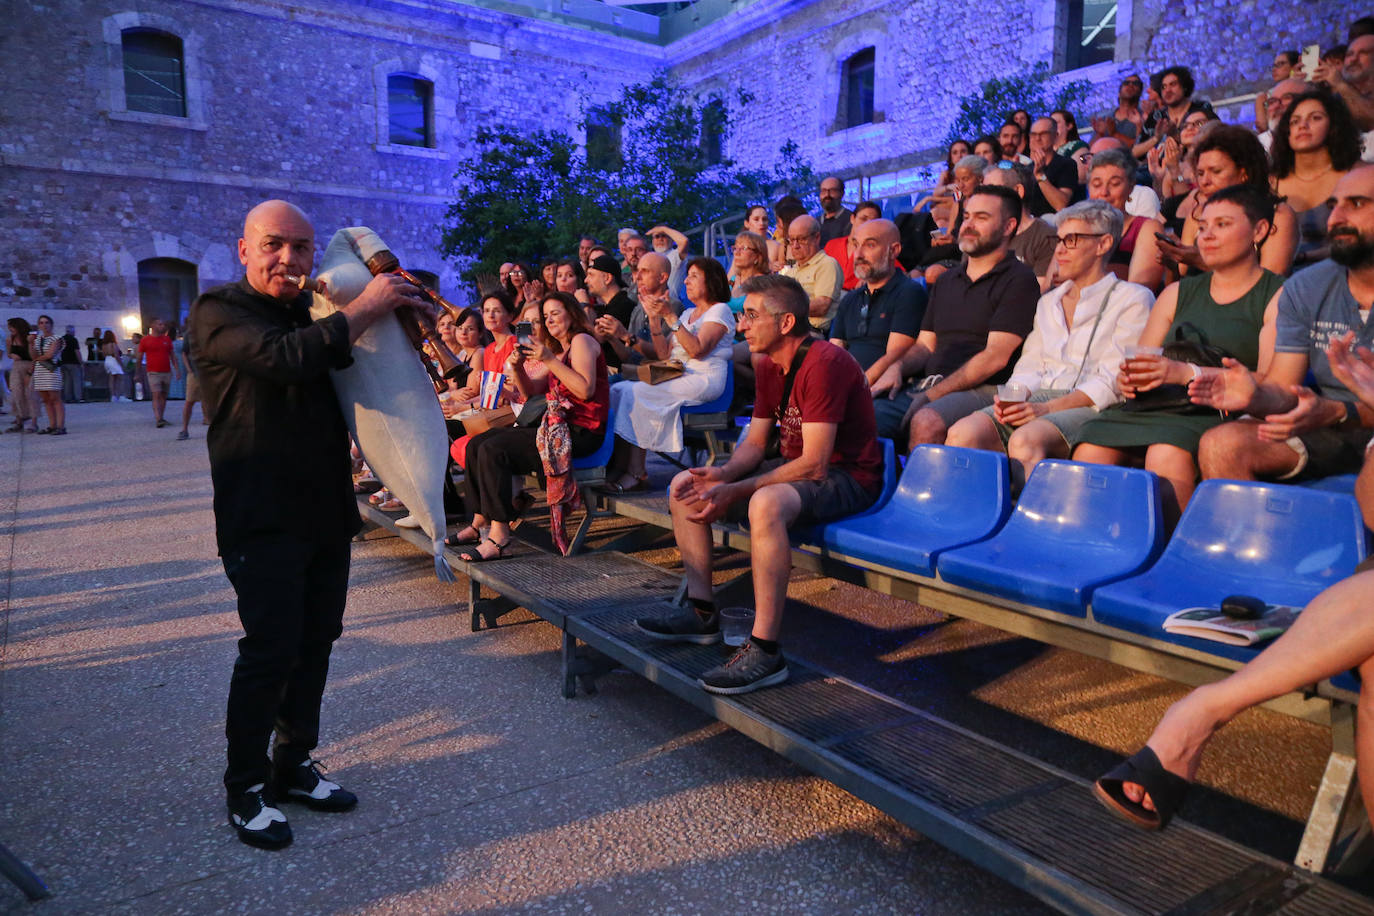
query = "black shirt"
x=1062 y=172
x=897 y=307
x=71 y=354
x=278 y=442
x=835 y=227
x=622 y=307
x=963 y=312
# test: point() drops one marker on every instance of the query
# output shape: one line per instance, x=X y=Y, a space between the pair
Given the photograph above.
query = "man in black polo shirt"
x=284 y=505
x=979 y=313
x=878 y=320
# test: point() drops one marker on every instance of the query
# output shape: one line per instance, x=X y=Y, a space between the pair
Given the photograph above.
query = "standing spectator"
x=835 y=217
x=72 y=363
x=672 y=245
x=1176 y=103
x=1315 y=146
x=1069 y=362
x=842 y=250
x=21 y=377
x=113 y=357
x=156 y=351
x=47 y=376
x=830 y=465
x=817 y=272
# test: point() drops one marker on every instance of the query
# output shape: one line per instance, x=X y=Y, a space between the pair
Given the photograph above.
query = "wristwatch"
x=673 y=327
x=1352 y=414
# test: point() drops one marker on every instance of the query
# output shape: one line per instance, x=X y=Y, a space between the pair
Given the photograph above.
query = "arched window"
x=154 y=72
x=410 y=110
x=856 y=93
x=166 y=289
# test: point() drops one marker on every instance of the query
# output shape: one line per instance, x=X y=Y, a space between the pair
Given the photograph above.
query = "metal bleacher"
x=1035 y=826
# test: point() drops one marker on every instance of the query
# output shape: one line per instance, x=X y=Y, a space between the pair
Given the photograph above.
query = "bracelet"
x=1196 y=370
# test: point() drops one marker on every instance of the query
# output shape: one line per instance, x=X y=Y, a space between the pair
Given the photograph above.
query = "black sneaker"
x=750 y=668
x=257 y=821
x=681 y=625
x=304 y=784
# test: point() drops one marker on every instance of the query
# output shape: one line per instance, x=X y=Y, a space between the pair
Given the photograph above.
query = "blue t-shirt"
x=1314 y=307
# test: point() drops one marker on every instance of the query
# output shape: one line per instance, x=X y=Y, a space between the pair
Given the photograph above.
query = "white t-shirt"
x=1143 y=202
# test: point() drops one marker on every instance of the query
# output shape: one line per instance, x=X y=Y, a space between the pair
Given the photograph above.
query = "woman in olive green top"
x=1235 y=305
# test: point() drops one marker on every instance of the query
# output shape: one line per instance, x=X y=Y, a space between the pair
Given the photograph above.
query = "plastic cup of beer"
x=1013 y=393
x=736 y=623
x=1136 y=350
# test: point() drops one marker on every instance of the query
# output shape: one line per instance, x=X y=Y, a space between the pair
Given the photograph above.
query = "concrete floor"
x=483 y=791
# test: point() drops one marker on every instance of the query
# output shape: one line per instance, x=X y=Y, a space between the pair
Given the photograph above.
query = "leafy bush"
x=1035 y=90
x=529 y=196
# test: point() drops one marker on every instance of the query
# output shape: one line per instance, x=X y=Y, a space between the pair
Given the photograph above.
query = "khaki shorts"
x=192 y=388
x=159 y=382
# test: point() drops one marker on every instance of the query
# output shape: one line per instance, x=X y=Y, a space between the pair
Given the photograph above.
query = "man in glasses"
x=878 y=321
x=1068 y=366
x=1126 y=119
x=1274 y=103
x=817 y=272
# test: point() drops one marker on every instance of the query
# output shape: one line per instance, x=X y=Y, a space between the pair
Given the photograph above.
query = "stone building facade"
x=291 y=100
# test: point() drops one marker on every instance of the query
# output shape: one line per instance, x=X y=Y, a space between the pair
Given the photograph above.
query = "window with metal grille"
x=154 y=75
x=1090 y=33
x=410 y=110
x=857 y=91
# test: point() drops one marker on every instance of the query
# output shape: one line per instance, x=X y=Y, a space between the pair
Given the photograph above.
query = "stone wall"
x=283 y=100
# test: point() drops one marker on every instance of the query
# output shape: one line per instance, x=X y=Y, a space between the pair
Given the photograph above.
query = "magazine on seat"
x=1211 y=623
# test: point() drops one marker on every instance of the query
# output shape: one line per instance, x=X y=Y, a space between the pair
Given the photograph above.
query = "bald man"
x=817 y=272
x=284 y=505
x=879 y=320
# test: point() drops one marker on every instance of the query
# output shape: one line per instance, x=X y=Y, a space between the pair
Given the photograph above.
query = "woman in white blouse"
x=1068 y=366
x=648 y=417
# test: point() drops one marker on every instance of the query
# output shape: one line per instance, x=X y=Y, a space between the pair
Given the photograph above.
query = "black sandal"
x=476 y=555
x=453 y=540
x=1166 y=791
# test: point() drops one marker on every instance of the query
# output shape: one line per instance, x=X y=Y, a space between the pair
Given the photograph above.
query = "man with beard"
x=1296 y=433
x=979 y=313
x=835 y=216
x=878 y=321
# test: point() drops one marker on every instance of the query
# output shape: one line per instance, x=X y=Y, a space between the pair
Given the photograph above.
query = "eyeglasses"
x=1133 y=82
x=1070 y=241
x=795 y=239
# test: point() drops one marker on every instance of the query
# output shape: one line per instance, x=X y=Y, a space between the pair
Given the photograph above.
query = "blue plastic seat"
x=814 y=535
x=1076 y=526
x=1283 y=544
x=602 y=455
x=718 y=405
x=947 y=497
x=1337 y=483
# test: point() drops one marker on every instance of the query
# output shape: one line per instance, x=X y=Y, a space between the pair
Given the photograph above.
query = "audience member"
x=576 y=387
x=1229 y=156
x=1232 y=306
x=672 y=245
x=1126 y=120
x=1022 y=119
x=1034 y=241
x=1055 y=176
x=648 y=417
x=1277 y=101
x=570 y=278
x=1315 y=146
x=1354 y=83
x=750 y=259
x=604 y=282
x=1292 y=432
x=834 y=216
x=880 y=320
x=756 y=221
x=1171 y=164
x=584 y=250
x=829 y=465
x=816 y=271
x=1136 y=256
x=1011 y=140
x=1066 y=128
x=988 y=148
x=633 y=248
x=548 y=272
x=1176 y=103
x=631 y=342
x=977 y=317
x=515 y=284
x=1069 y=362
x=842 y=249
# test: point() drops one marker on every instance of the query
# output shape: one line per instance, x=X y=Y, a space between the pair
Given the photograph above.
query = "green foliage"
x=531 y=195
x=985 y=111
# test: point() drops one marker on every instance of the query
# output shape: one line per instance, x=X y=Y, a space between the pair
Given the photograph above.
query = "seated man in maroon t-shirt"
x=830 y=466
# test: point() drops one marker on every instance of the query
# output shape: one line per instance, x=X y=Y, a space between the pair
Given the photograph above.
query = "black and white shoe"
x=257 y=821
x=303 y=783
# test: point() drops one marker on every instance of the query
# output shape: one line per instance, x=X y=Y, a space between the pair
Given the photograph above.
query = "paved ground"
x=483 y=791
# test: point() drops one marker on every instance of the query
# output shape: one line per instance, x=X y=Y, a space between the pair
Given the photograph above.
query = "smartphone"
x=1167 y=239
x=1311 y=57
x=523 y=332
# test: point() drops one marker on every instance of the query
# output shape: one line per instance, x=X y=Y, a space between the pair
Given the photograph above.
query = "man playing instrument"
x=284 y=505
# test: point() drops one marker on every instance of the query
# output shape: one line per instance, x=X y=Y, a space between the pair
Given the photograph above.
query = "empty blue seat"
x=947 y=497
x=1283 y=544
x=1076 y=526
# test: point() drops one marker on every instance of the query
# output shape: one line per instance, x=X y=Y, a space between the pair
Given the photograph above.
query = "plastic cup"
x=1134 y=350
x=736 y=623
x=1014 y=393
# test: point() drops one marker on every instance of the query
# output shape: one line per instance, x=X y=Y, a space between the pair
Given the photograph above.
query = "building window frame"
x=605 y=138
x=441 y=123
x=421 y=91
x=194 y=86
x=1078 y=20
x=834 y=102
x=858 y=82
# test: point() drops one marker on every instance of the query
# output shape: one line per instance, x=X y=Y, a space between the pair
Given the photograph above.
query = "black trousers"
x=497 y=454
x=291 y=594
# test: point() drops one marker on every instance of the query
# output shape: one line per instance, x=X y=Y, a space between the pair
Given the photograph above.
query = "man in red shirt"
x=829 y=465
x=156 y=349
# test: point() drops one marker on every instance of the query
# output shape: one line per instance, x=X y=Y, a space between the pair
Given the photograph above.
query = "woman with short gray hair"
x=1111 y=177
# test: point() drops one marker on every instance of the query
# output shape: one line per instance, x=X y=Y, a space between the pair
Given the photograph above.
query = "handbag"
x=533 y=412
x=1173 y=398
x=774 y=447
x=659 y=370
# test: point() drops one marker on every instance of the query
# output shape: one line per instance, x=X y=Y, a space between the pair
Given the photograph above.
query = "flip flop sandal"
x=475 y=556
x=1165 y=789
x=379 y=497
x=391 y=504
